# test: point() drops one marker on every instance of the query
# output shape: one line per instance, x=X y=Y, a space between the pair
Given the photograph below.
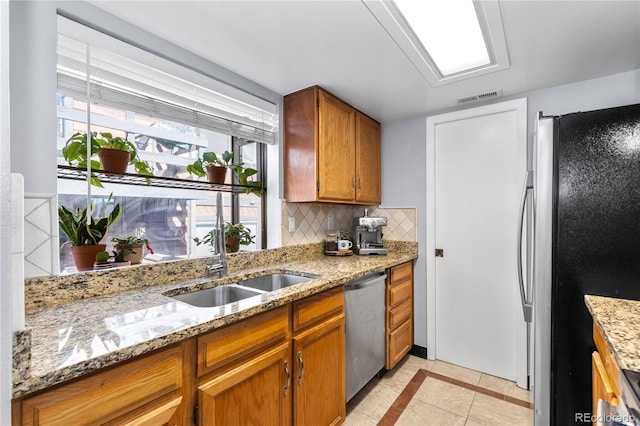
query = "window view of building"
x=171 y=121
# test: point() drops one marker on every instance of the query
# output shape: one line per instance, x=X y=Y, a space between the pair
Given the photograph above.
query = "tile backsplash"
x=311 y=221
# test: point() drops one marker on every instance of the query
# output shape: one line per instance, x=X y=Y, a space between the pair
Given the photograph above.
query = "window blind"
x=156 y=87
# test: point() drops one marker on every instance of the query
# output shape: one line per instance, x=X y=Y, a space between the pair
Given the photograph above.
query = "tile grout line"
x=395 y=411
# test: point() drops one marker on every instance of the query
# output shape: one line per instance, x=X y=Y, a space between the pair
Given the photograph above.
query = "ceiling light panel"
x=450 y=32
x=458 y=26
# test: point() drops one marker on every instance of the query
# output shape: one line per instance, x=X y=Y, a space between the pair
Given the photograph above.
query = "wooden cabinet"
x=245 y=371
x=604 y=372
x=256 y=391
x=399 y=313
x=284 y=366
x=255 y=372
x=146 y=391
x=331 y=150
x=319 y=359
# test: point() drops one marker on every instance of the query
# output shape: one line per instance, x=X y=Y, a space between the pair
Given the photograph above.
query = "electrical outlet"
x=330 y=223
x=292 y=224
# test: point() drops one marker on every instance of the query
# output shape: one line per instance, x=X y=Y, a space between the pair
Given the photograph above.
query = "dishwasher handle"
x=365 y=281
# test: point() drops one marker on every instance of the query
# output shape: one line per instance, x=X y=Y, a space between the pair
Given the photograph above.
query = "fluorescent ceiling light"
x=450 y=32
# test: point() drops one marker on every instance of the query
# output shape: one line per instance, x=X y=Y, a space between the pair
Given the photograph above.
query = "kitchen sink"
x=216 y=296
x=273 y=282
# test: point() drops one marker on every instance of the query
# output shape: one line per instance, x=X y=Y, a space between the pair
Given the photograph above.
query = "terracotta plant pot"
x=85 y=256
x=134 y=253
x=114 y=160
x=232 y=244
x=216 y=174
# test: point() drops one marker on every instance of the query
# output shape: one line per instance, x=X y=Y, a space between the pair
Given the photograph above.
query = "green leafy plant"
x=238 y=230
x=210 y=159
x=75 y=153
x=225 y=160
x=85 y=231
x=231 y=230
x=118 y=256
x=130 y=240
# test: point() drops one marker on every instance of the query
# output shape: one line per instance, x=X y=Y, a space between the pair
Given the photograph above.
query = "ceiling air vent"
x=481 y=96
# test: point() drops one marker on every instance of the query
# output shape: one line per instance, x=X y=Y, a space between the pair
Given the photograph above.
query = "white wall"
x=404 y=153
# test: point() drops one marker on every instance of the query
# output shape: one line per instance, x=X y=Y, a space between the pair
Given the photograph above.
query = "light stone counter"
x=619 y=322
x=78 y=324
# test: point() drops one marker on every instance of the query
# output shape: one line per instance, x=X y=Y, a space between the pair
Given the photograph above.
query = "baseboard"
x=418 y=351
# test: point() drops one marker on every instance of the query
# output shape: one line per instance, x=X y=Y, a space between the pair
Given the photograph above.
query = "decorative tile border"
x=395 y=411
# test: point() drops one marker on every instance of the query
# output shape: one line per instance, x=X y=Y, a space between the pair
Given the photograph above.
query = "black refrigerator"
x=587 y=241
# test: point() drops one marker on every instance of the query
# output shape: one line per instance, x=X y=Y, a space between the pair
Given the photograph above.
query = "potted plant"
x=131 y=248
x=215 y=167
x=234 y=234
x=115 y=154
x=85 y=232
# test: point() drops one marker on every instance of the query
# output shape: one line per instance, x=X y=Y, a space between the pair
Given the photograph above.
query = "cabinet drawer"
x=400 y=314
x=399 y=343
x=399 y=293
x=225 y=346
x=401 y=273
x=609 y=363
x=317 y=308
x=104 y=396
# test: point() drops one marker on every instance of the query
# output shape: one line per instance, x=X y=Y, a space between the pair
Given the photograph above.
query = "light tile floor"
x=438 y=402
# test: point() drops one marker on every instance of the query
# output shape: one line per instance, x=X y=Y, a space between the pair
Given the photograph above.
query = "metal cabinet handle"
x=360 y=183
x=353 y=182
x=286 y=370
x=301 y=362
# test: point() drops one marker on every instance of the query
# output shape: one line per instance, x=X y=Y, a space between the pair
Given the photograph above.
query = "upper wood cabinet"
x=332 y=150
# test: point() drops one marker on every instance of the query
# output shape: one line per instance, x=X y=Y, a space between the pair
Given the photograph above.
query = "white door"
x=478 y=163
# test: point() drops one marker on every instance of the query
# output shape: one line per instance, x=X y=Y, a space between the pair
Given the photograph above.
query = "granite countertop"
x=71 y=339
x=619 y=322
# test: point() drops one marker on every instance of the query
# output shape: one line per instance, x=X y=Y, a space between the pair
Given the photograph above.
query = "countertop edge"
x=619 y=322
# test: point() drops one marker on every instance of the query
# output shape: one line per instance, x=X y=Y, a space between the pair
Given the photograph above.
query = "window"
x=172 y=115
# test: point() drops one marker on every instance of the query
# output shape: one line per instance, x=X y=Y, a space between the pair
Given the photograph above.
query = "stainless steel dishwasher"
x=365 y=330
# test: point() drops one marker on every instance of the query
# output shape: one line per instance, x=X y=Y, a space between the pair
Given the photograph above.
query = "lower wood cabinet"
x=257 y=391
x=146 y=391
x=319 y=359
x=399 y=313
x=604 y=373
x=284 y=366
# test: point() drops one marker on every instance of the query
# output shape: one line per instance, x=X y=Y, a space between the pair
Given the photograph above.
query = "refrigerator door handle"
x=527 y=304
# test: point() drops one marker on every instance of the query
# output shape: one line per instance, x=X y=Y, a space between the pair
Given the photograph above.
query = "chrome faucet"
x=219 y=268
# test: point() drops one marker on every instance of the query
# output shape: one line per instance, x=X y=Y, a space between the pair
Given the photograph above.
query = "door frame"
x=518 y=105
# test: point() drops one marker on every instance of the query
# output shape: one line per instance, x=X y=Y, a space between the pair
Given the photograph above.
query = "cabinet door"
x=367 y=160
x=319 y=374
x=255 y=392
x=130 y=389
x=336 y=150
x=399 y=343
x=601 y=385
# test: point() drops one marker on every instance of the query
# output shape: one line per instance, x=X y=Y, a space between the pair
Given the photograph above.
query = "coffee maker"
x=367 y=234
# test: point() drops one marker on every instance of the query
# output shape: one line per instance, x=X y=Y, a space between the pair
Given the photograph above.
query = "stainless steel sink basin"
x=273 y=282
x=216 y=296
